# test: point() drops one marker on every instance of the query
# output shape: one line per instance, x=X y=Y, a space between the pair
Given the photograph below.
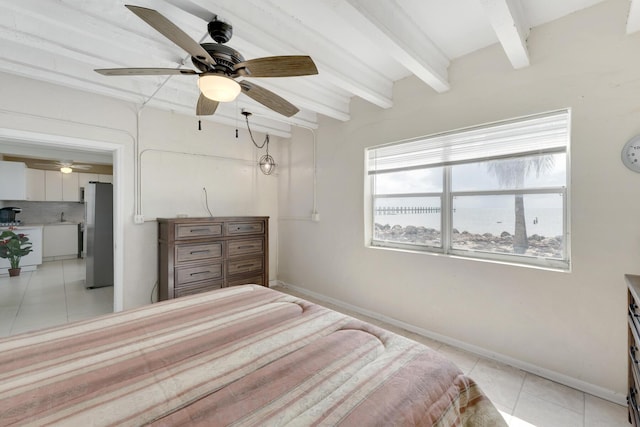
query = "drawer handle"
x=200 y=272
x=245 y=265
x=194 y=230
x=199 y=252
x=632 y=396
x=245 y=247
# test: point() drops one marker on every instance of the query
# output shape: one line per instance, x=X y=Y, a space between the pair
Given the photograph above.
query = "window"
x=496 y=191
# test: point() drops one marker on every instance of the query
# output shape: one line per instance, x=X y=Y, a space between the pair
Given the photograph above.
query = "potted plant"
x=14 y=246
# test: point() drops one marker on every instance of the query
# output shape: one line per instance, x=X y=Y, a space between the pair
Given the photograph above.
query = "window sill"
x=558 y=269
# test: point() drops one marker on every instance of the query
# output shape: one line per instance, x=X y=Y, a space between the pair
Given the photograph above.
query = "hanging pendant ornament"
x=267 y=163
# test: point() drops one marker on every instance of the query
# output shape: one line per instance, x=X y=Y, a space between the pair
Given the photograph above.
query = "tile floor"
x=524 y=399
x=52 y=295
x=55 y=294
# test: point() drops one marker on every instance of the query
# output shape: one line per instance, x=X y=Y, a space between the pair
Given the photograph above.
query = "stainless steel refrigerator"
x=98 y=197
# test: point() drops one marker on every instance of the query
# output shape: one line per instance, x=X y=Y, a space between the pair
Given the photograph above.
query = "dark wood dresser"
x=201 y=254
x=633 y=294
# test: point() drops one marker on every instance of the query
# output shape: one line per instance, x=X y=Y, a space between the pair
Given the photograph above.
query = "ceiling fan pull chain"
x=236 y=118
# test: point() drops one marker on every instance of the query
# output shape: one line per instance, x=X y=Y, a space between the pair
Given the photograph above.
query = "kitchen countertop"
x=46 y=224
x=40 y=226
x=21 y=227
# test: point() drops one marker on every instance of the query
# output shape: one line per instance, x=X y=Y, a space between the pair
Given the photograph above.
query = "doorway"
x=42 y=143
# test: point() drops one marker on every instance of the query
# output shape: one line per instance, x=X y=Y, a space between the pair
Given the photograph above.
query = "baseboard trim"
x=558 y=377
x=59 y=257
x=23 y=269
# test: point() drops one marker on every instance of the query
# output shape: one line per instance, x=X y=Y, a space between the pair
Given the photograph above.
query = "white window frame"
x=447 y=196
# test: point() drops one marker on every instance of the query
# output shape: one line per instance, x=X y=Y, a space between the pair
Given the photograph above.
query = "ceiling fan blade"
x=143 y=71
x=268 y=99
x=206 y=106
x=172 y=32
x=48 y=165
x=55 y=165
x=277 y=66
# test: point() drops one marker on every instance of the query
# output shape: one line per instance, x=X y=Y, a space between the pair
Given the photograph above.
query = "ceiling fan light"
x=66 y=169
x=218 y=87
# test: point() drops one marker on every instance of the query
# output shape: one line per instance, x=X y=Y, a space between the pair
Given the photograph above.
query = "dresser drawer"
x=197 y=288
x=246 y=265
x=634 y=411
x=634 y=310
x=184 y=275
x=633 y=364
x=244 y=227
x=191 y=231
x=245 y=247
x=634 y=319
x=200 y=251
x=256 y=280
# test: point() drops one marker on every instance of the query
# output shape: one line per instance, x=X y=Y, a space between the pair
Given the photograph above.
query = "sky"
x=474 y=177
x=466 y=177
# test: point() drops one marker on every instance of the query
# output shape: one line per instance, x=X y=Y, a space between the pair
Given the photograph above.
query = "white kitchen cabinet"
x=13 y=183
x=33 y=259
x=60 y=241
x=35 y=185
x=61 y=186
x=70 y=187
x=105 y=178
x=84 y=178
x=53 y=186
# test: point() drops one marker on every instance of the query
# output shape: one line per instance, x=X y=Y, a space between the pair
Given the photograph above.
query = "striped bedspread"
x=245 y=355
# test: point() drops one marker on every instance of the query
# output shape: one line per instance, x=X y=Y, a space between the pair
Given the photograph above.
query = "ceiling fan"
x=220 y=65
x=65 y=166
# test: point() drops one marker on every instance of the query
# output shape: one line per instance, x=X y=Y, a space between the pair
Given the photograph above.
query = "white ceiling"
x=361 y=47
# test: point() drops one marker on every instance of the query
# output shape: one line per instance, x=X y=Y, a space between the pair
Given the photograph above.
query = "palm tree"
x=511 y=174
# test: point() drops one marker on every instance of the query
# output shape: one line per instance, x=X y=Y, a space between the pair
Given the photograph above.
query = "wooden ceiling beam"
x=402 y=38
x=511 y=27
x=633 y=19
x=86 y=34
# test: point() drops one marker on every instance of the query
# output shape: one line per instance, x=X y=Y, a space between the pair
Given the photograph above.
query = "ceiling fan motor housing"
x=225 y=57
x=220 y=31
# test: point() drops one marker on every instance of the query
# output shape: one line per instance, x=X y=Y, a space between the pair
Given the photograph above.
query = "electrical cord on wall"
x=153 y=291
x=246 y=115
x=206 y=201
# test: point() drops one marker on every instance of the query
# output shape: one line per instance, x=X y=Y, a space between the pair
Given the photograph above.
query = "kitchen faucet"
x=61 y=216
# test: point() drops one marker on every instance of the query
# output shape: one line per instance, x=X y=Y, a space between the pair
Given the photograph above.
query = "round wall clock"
x=631 y=154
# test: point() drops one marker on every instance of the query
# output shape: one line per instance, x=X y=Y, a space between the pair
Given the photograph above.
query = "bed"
x=244 y=355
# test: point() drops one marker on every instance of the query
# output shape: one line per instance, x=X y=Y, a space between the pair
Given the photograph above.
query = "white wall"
x=171 y=183
x=570 y=326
